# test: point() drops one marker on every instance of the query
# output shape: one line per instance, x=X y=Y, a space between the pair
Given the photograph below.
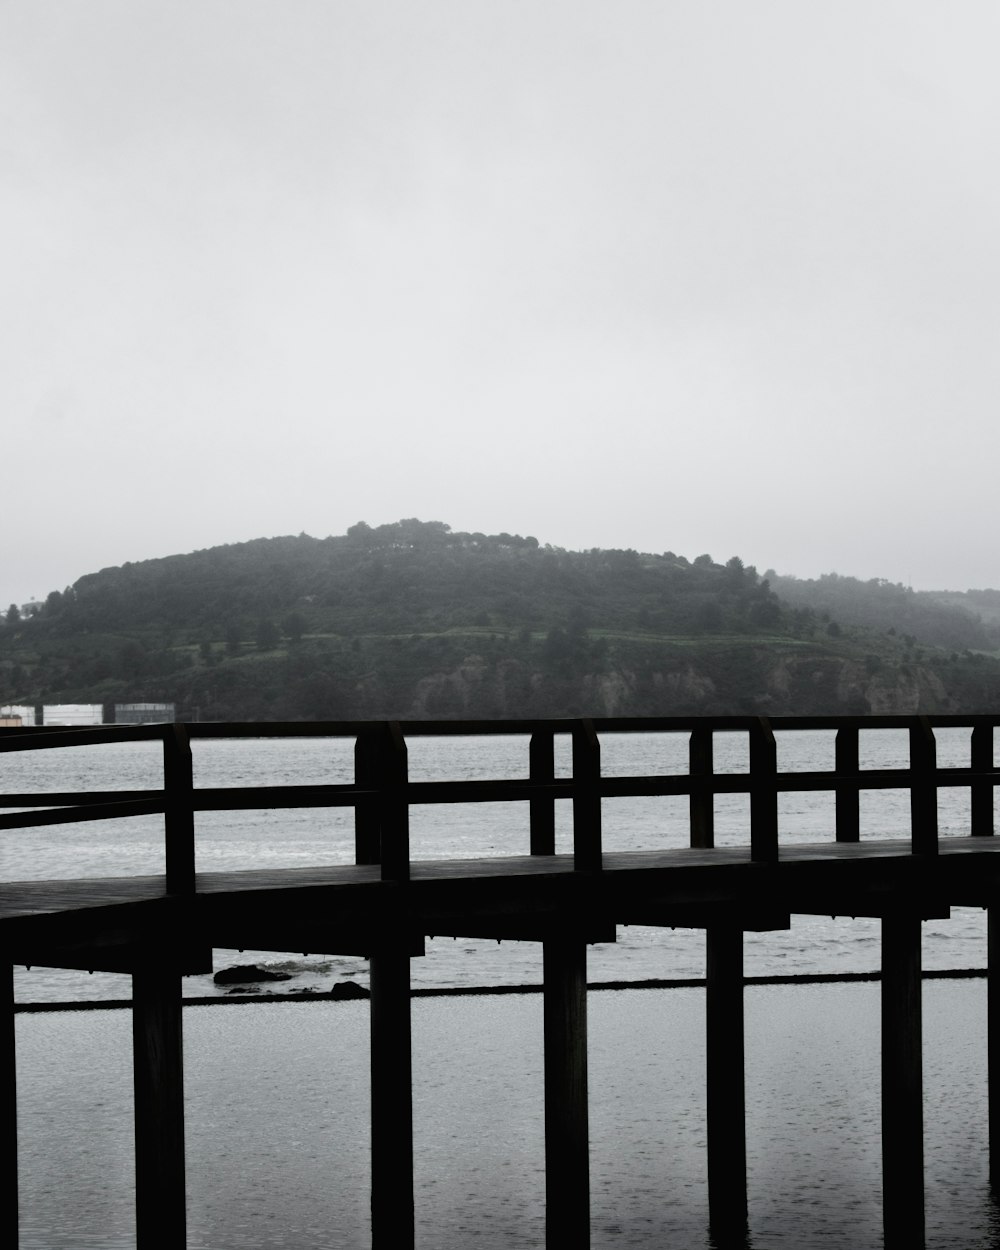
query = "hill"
x=970 y=619
x=413 y=620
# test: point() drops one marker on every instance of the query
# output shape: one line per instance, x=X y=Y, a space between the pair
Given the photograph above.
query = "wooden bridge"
x=159 y=928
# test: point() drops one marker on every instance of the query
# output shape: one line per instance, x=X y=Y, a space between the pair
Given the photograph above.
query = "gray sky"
x=693 y=276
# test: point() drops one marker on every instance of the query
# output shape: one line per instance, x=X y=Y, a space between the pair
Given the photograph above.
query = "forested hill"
x=940 y=618
x=412 y=620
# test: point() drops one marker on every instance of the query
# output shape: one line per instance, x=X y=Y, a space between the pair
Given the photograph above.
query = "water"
x=277 y=1123
x=277 y=1119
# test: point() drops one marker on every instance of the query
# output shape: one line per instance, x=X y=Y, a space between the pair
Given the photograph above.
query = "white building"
x=73 y=714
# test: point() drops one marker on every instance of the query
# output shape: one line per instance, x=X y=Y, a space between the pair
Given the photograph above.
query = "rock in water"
x=248 y=974
x=349 y=989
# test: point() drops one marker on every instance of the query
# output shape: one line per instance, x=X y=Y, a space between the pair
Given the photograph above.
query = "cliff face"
x=756 y=683
x=901 y=691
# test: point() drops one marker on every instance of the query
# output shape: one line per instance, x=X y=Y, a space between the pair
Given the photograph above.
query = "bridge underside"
x=114 y=924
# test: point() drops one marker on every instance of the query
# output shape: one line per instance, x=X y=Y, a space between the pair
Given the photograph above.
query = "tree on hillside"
x=294 y=626
x=268 y=634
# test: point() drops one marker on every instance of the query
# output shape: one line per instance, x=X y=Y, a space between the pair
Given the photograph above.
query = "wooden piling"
x=567 y=1142
x=726 y=1097
x=391 y=1101
x=8 y=1113
x=159 y=1107
x=902 y=1085
x=993 y=1039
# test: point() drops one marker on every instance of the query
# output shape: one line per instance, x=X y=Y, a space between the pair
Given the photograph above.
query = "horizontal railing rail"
x=383 y=792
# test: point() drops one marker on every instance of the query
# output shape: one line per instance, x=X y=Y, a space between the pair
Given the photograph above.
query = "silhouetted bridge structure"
x=158 y=928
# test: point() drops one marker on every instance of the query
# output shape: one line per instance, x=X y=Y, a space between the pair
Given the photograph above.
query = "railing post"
x=982 y=789
x=847 y=764
x=391 y=1100
x=178 y=786
x=701 y=766
x=394 y=811
x=567 y=1143
x=763 y=793
x=586 y=797
x=157 y=1057
x=8 y=1113
x=726 y=1096
x=366 y=814
x=923 y=788
x=902 y=1085
x=542 y=771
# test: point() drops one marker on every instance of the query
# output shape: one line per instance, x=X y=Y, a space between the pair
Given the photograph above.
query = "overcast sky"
x=691 y=276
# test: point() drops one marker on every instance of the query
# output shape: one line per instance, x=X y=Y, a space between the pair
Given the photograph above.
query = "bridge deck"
x=345 y=908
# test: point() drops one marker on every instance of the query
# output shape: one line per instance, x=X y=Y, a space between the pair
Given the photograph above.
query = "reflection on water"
x=730 y=1238
x=991 y=1205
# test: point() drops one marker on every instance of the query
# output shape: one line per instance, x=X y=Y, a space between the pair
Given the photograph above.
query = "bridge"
x=383 y=906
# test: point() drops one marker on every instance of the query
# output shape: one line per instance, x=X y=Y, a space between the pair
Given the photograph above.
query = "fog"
x=708 y=278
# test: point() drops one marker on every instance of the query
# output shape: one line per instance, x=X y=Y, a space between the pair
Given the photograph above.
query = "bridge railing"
x=382 y=792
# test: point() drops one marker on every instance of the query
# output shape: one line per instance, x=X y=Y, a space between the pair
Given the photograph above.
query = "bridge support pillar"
x=392 y=1101
x=993 y=1040
x=157 y=1057
x=567 y=1142
x=902 y=1085
x=726 y=1096
x=8 y=1112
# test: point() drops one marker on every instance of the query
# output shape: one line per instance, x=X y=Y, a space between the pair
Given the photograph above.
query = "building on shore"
x=14 y=715
x=144 y=713
x=70 y=714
